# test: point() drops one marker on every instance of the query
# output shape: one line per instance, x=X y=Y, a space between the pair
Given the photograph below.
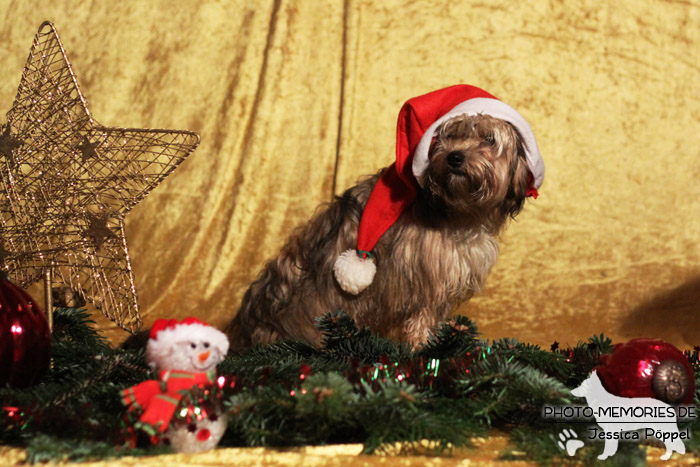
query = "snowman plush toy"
x=184 y=354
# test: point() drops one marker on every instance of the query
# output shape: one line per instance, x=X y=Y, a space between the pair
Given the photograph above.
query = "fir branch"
x=584 y=357
x=342 y=341
x=262 y=416
x=508 y=390
x=451 y=339
x=279 y=361
x=76 y=327
x=600 y=343
x=552 y=364
x=393 y=414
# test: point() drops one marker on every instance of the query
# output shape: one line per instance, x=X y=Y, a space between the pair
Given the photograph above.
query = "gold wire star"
x=4 y=254
x=98 y=230
x=68 y=182
x=8 y=143
x=87 y=149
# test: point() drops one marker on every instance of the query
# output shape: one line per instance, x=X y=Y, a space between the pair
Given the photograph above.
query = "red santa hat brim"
x=486 y=106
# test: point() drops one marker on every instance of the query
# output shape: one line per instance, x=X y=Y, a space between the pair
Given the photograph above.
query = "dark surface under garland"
x=356 y=388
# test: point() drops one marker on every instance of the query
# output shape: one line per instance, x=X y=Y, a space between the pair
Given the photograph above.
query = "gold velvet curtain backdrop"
x=294 y=100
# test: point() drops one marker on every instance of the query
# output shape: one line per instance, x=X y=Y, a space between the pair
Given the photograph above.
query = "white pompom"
x=353 y=273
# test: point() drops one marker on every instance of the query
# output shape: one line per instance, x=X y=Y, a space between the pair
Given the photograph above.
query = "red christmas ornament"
x=24 y=337
x=648 y=368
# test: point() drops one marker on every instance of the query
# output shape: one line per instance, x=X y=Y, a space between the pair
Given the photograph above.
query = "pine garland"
x=356 y=387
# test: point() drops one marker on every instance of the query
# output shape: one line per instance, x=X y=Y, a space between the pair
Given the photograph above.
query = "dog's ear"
x=519 y=175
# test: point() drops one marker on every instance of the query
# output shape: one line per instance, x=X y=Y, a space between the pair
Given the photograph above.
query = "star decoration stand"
x=68 y=183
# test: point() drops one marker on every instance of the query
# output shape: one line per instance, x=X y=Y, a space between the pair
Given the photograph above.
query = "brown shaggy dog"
x=436 y=256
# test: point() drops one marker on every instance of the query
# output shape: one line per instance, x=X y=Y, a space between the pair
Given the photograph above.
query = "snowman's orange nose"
x=204 y=356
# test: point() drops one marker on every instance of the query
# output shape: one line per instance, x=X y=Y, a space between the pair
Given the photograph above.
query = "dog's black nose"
x=455 y=159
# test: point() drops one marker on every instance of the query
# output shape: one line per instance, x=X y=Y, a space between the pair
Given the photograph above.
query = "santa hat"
x=167 y=332
x=397 y=188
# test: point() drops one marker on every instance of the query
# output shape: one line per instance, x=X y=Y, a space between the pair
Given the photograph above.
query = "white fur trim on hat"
x=494 y=108
x=354 y=274
x=166 y=339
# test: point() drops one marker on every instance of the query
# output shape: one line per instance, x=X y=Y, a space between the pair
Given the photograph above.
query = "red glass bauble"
x=648 y=368
x=24 y=337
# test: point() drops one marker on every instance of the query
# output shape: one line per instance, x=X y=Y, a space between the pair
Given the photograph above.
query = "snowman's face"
x=195 y=356
x=195 y=348
x=188 y=355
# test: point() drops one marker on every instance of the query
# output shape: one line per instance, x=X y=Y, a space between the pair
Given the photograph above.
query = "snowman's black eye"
x=193 y=345
x=206 y=345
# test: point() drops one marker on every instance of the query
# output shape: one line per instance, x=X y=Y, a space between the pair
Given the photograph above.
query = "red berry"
x=203 y=434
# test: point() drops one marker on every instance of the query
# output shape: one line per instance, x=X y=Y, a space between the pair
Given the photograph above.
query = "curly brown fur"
x=436 y=256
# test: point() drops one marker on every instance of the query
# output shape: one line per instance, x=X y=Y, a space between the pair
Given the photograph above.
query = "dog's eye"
x=490 y=140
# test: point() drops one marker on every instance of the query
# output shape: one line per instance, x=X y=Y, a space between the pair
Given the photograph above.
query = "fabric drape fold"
x=295 y=100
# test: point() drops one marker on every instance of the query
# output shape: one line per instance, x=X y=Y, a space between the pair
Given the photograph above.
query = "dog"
x=645 y=413
x=432 y=257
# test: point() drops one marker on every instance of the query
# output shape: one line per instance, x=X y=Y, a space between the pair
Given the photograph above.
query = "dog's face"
x=477 y=166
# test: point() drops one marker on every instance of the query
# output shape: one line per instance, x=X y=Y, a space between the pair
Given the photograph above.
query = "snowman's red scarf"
x=159 y=398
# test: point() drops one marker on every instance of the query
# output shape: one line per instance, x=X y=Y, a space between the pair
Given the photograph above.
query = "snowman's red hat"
x=167 y=333
x=397 y=188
